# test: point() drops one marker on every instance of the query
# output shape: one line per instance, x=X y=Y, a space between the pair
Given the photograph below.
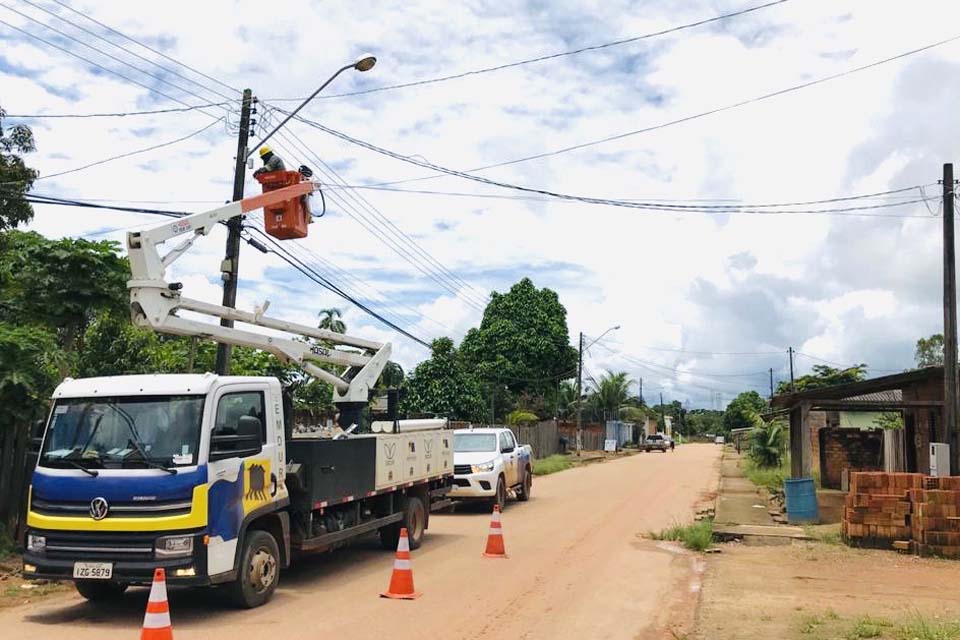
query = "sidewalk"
x=740 y=501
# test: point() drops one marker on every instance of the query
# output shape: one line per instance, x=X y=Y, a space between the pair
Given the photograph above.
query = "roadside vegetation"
x=830 y=625
x=7 y=546
x=552 y=464
x=696 y=537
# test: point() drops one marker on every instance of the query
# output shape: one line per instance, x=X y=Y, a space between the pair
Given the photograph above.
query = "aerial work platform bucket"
x=289 y=219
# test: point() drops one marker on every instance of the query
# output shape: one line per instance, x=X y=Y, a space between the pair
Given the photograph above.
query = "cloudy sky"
x=707 y=302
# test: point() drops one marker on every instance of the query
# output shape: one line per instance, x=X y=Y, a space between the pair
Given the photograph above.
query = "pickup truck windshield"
x=469 y=442
x=124 y=432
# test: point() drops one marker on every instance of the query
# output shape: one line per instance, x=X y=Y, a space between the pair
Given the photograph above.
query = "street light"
x=363 y=64
x=580 y=386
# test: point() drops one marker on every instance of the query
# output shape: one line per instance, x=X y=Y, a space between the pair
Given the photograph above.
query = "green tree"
x=392 y=376
x=824 y=376
x=743 y=411
x=768 y=442
x=330 y=320
x=16 y=178
x=63 y=284
x=701 y=421
x=29 y=363
x=930 y=351
x=523 y=341
x=114 y=346
x=521 y=417
x=443 y=385
x=609 y=394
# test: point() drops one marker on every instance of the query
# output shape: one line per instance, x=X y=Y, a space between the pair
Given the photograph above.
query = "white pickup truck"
x=487 y=462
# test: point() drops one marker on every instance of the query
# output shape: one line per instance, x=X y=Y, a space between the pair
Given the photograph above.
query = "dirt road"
x=577 y=569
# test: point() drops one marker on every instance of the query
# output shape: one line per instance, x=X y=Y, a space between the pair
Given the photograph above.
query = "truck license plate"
x=93 y=570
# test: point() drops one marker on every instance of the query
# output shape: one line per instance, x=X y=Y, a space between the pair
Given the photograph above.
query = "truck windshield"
x=468 y=442
x=124 y=432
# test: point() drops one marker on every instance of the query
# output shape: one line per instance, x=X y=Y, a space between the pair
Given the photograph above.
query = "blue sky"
x=687 y=289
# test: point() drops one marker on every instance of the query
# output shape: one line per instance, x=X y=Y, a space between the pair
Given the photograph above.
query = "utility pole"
x=580 y=398
x=231 y=261
x=792 y=385
x=642 y=403
x=663 y=419
x=771 y=383
x=949 y=319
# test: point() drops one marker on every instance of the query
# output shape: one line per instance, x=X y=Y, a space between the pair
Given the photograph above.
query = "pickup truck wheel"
x=415 y=521
x=523 y=493
x=259 y=570
x=500 y=499
x=99 y=591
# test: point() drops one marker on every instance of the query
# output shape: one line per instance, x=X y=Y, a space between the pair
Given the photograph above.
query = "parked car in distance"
x=719 y=440
x=655 y=442
x=487 y=462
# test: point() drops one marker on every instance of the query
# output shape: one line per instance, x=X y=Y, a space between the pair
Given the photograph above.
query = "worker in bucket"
x=271 y=162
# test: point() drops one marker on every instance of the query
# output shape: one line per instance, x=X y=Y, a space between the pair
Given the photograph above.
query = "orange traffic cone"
x=401 y=582
x=495 y=547
x=156 y=622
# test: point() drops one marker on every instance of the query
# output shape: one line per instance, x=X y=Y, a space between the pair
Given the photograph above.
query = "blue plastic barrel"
x=801 y=498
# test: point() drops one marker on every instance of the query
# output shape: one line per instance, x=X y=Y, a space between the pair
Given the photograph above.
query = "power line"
x=629 y=204
x=697 y=116
x=103 y=53
x=132 y=153
x=543 y=58
x=147 y=47
x=38 y=199
x=118 y=114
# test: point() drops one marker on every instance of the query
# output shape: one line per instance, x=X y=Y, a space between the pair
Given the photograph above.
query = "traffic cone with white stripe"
x=156 y=622
x=401 y=582
x=495 y=548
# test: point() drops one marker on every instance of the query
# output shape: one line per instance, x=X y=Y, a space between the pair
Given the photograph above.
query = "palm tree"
x=610 y=393
x=330 y=320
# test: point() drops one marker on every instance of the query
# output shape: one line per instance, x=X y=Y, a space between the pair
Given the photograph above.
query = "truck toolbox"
x=333 y=469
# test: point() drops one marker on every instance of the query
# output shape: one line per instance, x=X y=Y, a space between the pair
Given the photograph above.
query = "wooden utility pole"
x=580 y=397
x=642 y=403
x=231 y=261
x=948 y=429
x=793 y=387
x=663 y=419
x=771 y=383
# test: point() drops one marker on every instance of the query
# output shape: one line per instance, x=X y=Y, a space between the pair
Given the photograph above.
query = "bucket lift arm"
x=155 y=303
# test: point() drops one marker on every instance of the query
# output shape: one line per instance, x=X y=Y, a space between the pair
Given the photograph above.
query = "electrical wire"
x=126 y=50
x=697 y=116
x=132 y=153
x=629 y=204
x=103 y=53
x=118 y=114
x=543 y=58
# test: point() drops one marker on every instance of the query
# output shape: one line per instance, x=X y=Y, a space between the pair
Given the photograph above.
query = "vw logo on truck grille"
x=99 y=508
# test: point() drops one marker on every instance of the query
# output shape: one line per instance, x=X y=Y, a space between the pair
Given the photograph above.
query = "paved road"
x=577 y=569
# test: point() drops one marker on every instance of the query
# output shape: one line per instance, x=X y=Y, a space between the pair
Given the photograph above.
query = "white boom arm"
x=154 y=303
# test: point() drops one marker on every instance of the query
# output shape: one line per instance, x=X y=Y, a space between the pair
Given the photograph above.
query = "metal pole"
x=231 y=261
x=663 y=418
x=792 y=385
x=642 y=403
x=949 y=318
x=580 y=398
x=771 y=383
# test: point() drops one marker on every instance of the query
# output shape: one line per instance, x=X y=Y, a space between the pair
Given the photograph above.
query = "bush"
x=696 y=537
x=767 y=443
x=770 y=478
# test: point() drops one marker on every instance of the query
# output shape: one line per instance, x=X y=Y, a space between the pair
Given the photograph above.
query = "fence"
x=543 y=438
x=15 y=465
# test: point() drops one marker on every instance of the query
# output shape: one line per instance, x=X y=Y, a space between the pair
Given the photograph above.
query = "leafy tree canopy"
x=16 y=178
x=743 y=411
x=29 y=371
x=930 y=351
x=824 y=376
x=443 y=385
x=523 y=341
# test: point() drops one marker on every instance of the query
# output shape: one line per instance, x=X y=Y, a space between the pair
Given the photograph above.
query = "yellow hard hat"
x=264 y=150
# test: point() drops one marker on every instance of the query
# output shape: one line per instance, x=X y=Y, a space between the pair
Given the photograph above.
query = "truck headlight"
x=482 y=468
x=174 y=546
x=37 y=544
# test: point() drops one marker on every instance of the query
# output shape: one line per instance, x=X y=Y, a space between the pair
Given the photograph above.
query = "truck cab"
x=138 y=472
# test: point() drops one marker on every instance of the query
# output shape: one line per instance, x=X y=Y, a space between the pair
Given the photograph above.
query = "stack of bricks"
x=934 y=519
x=878 y=508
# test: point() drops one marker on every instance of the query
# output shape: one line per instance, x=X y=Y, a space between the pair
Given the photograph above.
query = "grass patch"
x=830 y=626
x=922 y=628
x=825 y=533
x=551 y=464
x=770 y=478
x=696 y=537
x=869 y=627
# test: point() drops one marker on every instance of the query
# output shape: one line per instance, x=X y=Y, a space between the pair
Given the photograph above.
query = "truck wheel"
x=98 y=591
x=259 y=570
x=500 y=499
x=415 y=522
x=523 y=493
